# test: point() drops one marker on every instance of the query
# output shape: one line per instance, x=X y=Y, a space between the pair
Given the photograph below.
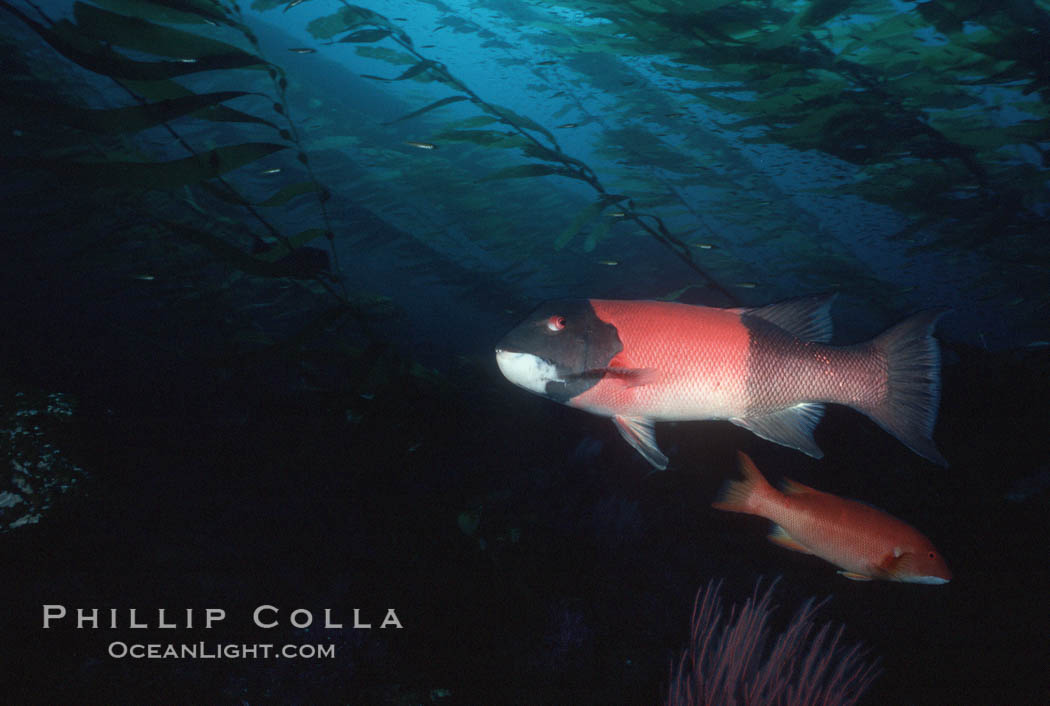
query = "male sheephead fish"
x=766 y=369
x=863 y=542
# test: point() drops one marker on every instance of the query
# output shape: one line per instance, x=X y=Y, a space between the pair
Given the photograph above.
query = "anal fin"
x=791 y=427
x=638 y=432
x=779 y=536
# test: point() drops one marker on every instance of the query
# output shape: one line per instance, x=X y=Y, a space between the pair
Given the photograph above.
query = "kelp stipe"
x=940 y=111
x=364 y=26
x=102 y=38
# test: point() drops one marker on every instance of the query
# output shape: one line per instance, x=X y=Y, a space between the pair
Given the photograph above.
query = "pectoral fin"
x=638 y=432
x=628 y=377
x=633 y=377
x=897 y=564
x=621 y=368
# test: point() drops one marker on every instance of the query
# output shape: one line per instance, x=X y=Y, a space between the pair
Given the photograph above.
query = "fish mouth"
x=526 y=370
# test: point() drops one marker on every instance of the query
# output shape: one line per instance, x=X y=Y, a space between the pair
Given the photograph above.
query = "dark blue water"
x=208 y=403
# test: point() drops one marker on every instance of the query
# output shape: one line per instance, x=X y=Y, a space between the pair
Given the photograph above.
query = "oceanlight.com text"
x=206 y=650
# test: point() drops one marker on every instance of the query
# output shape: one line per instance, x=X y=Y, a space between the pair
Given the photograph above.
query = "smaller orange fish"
x=864 y=542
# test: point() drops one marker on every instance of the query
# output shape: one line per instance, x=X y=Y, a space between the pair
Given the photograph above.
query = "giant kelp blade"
x=290 y=192
x=223 y=193
x=138 y=34
x=895 y=27
x=408 y=73
x=348 y=17
x=312 y=329
x=208 y=9
x=597 y=234
x=285 y=248
x=125 y=120
x=821 y=11
x=942 y=17
x=585 y=216
x=475 y=121
x=523 y=171
x=226 y=114
x=485 y=138
x=540 y=152
x=288 y=4
x=365 y=36
x=522 y=121
x=427 y=109
x=709 y=5
x=263 y=5
x=156 y=90
x=184 y=12
x=157 y=175
x=230 y=254
x=98 y=57
x=167 y=90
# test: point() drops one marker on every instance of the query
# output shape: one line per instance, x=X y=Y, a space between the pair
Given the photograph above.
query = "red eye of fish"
x=556 y=323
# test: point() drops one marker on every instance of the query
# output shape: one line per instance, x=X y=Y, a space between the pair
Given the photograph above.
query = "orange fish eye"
x=556 y=323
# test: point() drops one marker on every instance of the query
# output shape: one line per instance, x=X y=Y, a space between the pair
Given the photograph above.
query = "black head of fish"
x=560 y=351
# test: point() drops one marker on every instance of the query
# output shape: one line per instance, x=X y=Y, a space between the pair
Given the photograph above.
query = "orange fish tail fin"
x=744 y=495
x=913 y=384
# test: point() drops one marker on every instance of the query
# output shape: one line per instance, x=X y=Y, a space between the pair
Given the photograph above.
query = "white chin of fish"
x=526 y=370
x=934 y=580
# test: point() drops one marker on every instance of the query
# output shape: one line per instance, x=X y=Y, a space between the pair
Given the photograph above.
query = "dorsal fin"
x=807 y=318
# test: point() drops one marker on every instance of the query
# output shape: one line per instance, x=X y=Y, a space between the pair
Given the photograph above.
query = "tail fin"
x=913 y=364
x=744 y=495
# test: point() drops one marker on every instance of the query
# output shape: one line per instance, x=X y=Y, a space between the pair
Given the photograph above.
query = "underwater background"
x=257 y=256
